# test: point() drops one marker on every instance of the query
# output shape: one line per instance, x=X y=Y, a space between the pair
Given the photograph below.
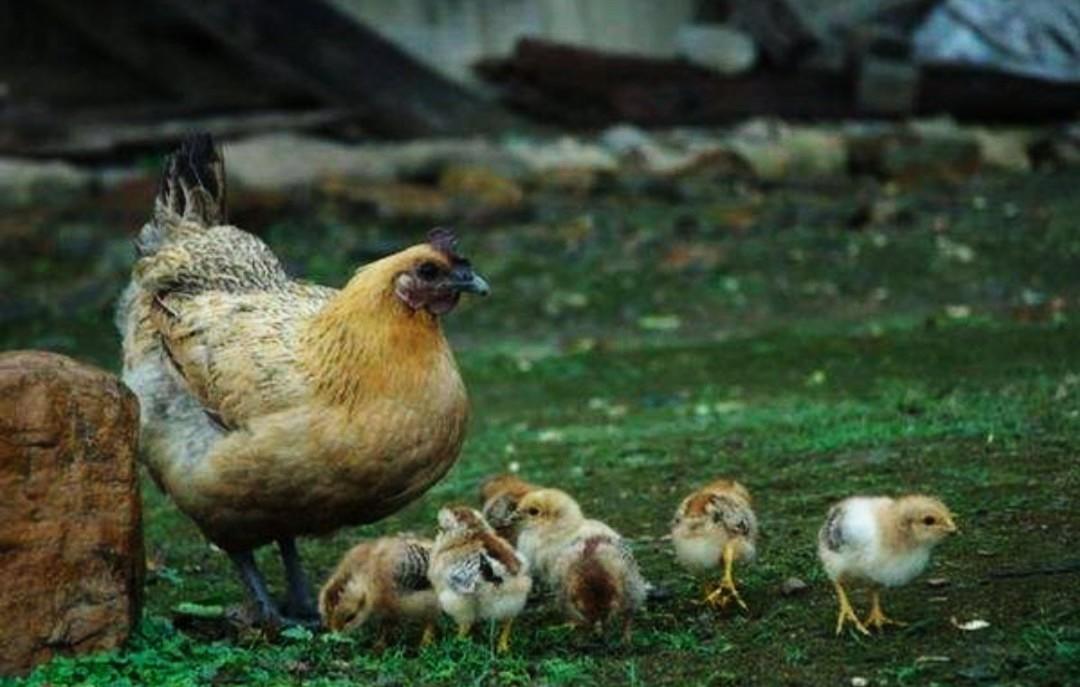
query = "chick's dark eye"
x=929 y=520
x=428 y=271
x=533 y=511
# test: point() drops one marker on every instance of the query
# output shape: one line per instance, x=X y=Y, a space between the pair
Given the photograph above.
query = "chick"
x=588 y=564
x=383 y=581
x=476 y=574
x=880 y=541
x=548 y=520
x=714 y=524
x=500 y=494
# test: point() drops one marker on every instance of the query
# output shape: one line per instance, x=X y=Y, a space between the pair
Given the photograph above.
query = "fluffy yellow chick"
x=588 y=564
x=383 y=581
x=882 y=542
x=500 y=495
x=714 y=524
x=549 y=519
x=476 y=574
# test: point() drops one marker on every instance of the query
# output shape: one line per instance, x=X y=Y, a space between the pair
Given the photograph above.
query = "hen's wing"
x=236 y=353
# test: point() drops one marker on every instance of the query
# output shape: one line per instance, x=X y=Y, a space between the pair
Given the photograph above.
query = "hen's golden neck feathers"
x=367 y=343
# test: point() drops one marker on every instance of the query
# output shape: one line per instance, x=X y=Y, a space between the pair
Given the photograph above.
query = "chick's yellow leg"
x=504 y=636
x=846 y=612
x=877 y=618
x=463 y=630
x=383 y=639
x=726 y=591
x=428 y=638
x=707 y=588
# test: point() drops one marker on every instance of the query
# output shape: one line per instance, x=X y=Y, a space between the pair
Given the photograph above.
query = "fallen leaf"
x=970 y=625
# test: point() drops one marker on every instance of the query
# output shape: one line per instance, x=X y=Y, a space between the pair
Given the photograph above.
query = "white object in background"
x=713 y=46
x=1035 y=38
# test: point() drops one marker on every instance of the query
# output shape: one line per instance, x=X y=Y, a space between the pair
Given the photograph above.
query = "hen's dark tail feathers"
x=192 y=189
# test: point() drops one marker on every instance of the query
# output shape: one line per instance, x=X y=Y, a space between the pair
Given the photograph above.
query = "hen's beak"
x=467 y=281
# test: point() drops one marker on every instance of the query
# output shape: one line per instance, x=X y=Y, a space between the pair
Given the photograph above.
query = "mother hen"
x=274 y=408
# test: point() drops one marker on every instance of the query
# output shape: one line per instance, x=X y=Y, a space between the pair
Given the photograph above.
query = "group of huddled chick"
x=482 y=564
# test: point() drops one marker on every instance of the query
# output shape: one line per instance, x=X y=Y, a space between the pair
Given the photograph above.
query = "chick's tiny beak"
x=467 y=281
x=951 y=528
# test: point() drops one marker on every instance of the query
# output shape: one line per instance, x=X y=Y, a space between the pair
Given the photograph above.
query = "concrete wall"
x=452 y=34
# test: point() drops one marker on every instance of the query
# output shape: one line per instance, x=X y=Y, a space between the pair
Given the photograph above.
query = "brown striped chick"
x=588 y=564
x=881 y=542
x=500 y=495
x=715 y=525
x=383 y=581
x=477 y=575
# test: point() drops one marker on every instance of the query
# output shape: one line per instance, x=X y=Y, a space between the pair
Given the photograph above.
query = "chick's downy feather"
x=881 y=540
x=384 y=580
x=500 y=495
x=712 y=517
x=587 y=563
x=476 y=574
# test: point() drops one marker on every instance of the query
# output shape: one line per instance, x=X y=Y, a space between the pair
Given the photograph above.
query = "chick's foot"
x=877 y=618
x=846 y=613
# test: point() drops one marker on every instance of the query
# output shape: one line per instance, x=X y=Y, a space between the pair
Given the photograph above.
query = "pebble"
x=792 y=586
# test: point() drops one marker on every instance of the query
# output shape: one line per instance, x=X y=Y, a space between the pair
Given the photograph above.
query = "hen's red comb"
x=443 y=240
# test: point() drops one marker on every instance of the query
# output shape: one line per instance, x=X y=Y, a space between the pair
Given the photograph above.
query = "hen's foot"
x=299 y=602
x=266 y=612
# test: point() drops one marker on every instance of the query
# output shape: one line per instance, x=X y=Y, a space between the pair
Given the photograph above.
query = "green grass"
x=785 y=371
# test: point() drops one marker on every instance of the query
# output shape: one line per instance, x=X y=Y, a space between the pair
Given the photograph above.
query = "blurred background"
x=727 y=144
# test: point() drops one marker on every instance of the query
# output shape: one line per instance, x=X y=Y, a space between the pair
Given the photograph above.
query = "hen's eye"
x=428 y=271
x=929 y=520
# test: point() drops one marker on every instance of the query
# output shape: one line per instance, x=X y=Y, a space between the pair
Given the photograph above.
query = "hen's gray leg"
x=299 y=603
x=256 y=588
